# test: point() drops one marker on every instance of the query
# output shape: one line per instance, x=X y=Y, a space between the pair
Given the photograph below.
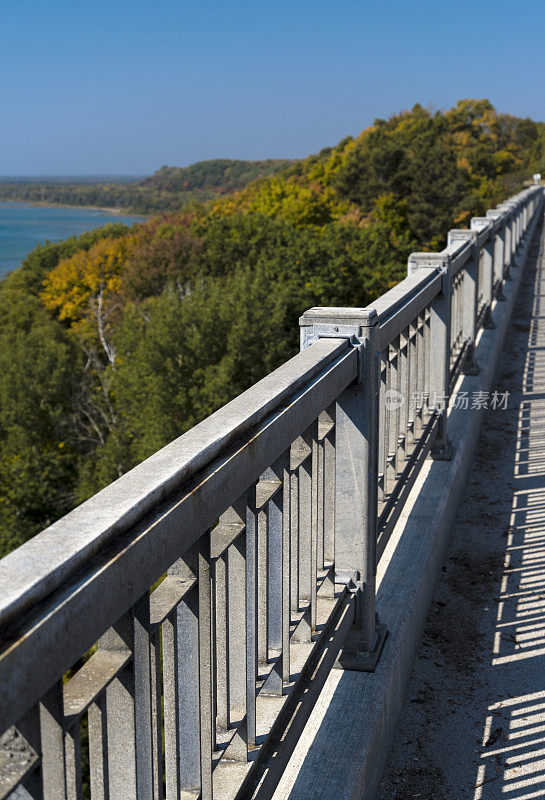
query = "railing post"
x=516 y=230
x=470 y=298
x=479 y=224
x=531 y=208
x=507 y=209
x=356 y=477
x=499 y=250
x=525 y=215
x=518 y=227
x=440 y=325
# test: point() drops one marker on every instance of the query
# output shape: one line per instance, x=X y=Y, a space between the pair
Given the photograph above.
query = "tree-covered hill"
x=168 y=189
x=115 y=342
x=218 y=175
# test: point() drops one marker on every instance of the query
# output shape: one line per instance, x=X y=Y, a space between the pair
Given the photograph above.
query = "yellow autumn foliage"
x=296 y=203
x=69 y=289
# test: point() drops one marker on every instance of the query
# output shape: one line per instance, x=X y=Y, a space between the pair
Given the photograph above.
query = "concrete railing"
x=170 y=636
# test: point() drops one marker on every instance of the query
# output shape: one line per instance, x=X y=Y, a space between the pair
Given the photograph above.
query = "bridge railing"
x=169 y=636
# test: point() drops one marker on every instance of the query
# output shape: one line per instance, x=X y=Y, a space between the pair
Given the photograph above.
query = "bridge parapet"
x=219 y=581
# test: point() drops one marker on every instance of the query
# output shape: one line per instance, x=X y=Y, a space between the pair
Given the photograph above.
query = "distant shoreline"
x=25 y=225
x=115 y=212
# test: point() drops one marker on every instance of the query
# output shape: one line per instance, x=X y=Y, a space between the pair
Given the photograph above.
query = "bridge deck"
x=474 y=720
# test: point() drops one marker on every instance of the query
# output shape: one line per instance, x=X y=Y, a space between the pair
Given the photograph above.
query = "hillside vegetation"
x=168 y=189
x=115 y=342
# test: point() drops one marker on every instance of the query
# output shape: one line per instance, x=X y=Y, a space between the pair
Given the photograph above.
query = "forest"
x=116 y=342
x=168 y=189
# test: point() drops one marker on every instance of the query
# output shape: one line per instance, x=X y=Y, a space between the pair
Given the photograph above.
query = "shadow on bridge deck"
x=474 y=721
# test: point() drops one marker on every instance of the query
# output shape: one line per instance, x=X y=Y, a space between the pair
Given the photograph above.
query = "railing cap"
x=434 y=261
x=480 y=223
x=461 y=235
x=496 y=214
x=338 y=314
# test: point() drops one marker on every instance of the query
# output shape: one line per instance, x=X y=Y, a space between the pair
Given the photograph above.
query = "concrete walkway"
x=473 y=725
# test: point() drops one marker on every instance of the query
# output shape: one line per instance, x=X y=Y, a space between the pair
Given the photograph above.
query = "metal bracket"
x=332 y=330
x=444 y=453
x=488 y=321
x=352 y=332
x=353 y=659
x=470 y=368
x=500 y=297
x=350 y=579
x=470 y=365
x=323 y=330
x=351 y=656
x=444 y=271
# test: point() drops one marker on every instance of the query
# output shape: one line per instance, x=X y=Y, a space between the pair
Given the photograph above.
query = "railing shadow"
x=512 y=753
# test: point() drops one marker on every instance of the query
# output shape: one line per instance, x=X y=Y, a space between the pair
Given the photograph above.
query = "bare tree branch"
x=101 y=319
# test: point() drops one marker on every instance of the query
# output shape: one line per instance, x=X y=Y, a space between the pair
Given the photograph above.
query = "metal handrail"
x=216 y=584
x=51 y=557
x=190 y=506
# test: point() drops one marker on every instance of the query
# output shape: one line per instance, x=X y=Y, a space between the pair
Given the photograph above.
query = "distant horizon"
x=64 y=176
x=127 y=176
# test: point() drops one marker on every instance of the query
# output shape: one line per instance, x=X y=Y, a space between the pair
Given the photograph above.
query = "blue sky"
x=125 y=86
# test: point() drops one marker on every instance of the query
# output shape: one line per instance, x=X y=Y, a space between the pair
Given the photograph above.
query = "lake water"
x=24 y=226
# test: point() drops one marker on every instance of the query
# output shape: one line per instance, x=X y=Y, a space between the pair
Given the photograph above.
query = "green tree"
x=38 y=363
